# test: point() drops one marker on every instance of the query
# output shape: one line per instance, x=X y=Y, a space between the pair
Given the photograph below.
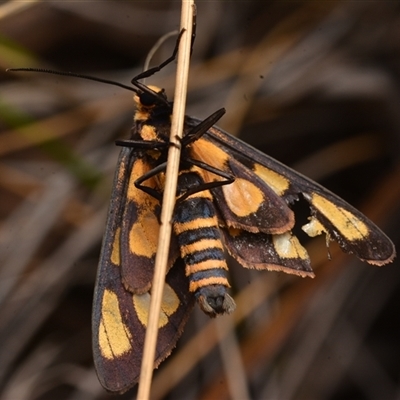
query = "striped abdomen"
x=196 y=228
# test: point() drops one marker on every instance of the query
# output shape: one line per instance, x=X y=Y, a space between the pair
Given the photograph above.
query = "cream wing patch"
x=313 y=228
x=288 y=246
x=114 y=336
x=115 y=253
x=343 y=220
x=169 y=305
x=278 y=183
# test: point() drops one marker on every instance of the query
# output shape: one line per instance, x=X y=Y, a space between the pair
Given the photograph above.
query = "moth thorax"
x=188 y=181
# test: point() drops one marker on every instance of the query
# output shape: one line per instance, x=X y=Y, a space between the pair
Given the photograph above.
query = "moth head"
x=151 y=97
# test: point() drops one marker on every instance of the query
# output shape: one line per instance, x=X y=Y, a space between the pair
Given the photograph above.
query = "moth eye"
x=147 y=99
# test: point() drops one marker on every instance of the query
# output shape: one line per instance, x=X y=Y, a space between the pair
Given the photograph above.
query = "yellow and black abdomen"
x=199 y=239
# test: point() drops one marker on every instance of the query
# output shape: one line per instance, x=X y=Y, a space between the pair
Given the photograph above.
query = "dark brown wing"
x=119 y=316
x=354 y=232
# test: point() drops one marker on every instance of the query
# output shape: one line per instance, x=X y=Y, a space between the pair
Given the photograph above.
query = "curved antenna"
x=75 y=75
x=156 y=46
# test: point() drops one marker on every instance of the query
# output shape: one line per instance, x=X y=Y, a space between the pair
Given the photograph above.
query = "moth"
x=230 y=197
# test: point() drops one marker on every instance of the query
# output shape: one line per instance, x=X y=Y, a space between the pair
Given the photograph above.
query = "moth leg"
x=138 y=145
x=151 y=191
x=229 y=178
x=153 y=70
x=199 y=130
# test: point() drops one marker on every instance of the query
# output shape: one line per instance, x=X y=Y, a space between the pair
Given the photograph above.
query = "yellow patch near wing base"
x=343 y=220
x=169 y=305
x=115 y=253
x=114 y=336
x=143 y=236
x=210 y=154
x=135 y=195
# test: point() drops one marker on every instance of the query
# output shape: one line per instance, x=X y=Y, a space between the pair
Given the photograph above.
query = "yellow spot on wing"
x=139 y=168
x=343 y=220
x=143 y=236
x=243 y=197
x=114 y=336
x=169 y=304
x=115 y=253
x=288 y=246
x=313 y=228
x=278 y=183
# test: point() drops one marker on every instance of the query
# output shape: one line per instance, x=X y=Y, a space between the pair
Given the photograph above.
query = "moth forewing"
x=119 y=312
x=247 y=203
x=111 y=340
x=354 y=232
x=139 y=232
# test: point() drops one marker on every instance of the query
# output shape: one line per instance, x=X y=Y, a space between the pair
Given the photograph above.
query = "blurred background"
x=313 y=84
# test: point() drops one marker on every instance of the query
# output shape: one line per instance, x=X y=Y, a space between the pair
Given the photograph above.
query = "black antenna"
x=75 y=75
x=141 y=87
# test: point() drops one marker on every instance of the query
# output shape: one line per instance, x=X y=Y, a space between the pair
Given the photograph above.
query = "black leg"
x=199 y=130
